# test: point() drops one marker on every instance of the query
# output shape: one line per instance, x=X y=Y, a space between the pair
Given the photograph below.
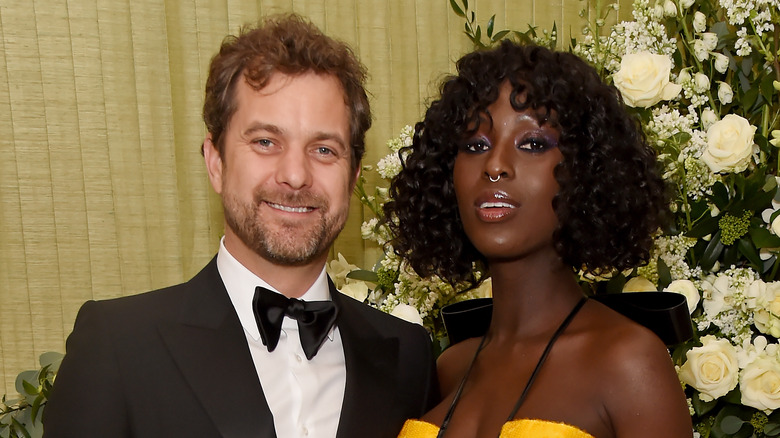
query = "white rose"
x=407 y=313
x=639 y=284
x=721 y=62
x=729 y=144
x=712 y=368
x=701 y=82
x=725 y=93
x=766 y=315
x=700 y=50
x=688 y=289
x=699 y=22
x=708 y=118
x=643 y=79
x=759 y=383
x=355 y=289
x=685 y=4
x=776 y=226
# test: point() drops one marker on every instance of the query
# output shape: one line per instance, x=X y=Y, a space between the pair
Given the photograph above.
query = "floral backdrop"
x=703 y=77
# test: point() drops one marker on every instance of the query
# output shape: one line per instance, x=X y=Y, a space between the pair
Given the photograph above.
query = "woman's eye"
x=475 y=146
x=535 y=144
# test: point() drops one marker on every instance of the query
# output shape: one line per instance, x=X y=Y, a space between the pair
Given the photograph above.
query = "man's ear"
x=355 y=177
x=214 y=165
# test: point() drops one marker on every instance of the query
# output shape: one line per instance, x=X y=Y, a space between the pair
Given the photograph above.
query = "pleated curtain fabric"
x=103 y=191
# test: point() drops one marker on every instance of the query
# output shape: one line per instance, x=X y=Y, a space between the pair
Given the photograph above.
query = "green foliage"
x=21 y=417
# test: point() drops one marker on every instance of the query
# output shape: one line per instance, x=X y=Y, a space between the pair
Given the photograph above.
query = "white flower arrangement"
x=703 y=77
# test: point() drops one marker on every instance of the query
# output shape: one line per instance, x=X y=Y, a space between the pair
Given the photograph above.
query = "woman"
x=529 y=165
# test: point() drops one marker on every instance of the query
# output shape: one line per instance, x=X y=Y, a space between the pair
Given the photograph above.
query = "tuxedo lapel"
x=372 y=365
x=209 y=347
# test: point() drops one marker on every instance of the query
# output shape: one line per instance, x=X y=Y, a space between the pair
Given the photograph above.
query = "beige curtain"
x=102 y=188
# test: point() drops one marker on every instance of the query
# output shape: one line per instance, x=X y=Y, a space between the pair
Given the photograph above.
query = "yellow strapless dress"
x=523 y=428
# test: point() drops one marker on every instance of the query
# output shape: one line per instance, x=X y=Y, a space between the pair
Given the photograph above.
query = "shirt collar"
x=240 y=283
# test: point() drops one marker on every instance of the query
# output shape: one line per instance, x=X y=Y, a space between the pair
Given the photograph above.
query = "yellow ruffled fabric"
x=514 y=429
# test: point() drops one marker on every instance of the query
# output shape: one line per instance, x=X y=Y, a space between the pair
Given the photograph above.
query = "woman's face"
x=504 y=183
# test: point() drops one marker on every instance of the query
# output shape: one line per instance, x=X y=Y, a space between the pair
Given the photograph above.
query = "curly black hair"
x=611 y=199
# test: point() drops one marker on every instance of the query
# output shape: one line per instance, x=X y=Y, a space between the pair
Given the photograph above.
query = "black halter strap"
x=534 y=374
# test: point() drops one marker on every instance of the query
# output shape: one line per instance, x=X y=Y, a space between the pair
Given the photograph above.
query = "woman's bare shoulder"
x=453 y=363
x=643 y=384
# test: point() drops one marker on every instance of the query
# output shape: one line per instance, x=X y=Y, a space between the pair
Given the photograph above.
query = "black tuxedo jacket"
x=175 y=363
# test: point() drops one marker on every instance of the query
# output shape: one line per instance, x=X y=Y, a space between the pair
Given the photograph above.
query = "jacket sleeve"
x=87 y=399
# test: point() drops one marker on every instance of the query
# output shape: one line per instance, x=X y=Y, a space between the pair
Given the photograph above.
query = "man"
x=286 y=114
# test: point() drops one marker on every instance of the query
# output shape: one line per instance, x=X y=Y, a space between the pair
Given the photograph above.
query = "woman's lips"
x=495 y=207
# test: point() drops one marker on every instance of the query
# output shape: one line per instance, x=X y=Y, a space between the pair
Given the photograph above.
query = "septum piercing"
x=494 y=180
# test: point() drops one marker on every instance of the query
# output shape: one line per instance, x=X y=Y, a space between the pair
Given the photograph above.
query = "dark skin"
x=605 y=375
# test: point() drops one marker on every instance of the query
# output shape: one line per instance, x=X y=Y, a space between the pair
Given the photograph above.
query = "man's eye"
x=325 y=150
x=264 y=142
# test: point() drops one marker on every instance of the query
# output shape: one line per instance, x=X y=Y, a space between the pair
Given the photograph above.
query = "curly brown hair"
x=611 y=197
x=292 y=45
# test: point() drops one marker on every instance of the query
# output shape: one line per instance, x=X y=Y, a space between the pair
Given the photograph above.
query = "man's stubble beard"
x=289 y=244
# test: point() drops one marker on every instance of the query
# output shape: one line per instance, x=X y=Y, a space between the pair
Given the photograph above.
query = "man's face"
x=285 y=176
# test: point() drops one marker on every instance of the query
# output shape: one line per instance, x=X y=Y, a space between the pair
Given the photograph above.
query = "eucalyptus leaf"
x=771 y=429
x=364 y=275
x=731 y=424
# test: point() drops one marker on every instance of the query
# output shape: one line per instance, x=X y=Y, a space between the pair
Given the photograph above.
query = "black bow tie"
x=315 y=318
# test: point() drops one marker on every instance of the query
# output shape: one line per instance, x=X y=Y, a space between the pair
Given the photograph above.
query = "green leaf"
x=35 y=407
x=712 y=252
x=763 y=238
x=455 y=8
x=364 y=275
x=750 y=97
x=20 y=428
x=702 y=407
x=747 y=249
x=720 y=195
x=664 y=274
x=492 y=21
x=767 y=90
x=731 y=424
x=51 y=359
x=703 y=227
x=499 y=35
x=772 y=429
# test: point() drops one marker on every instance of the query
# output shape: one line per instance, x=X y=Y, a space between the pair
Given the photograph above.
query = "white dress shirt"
x=305 y=396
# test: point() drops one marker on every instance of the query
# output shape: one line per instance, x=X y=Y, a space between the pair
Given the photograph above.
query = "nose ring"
x=494 y=180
